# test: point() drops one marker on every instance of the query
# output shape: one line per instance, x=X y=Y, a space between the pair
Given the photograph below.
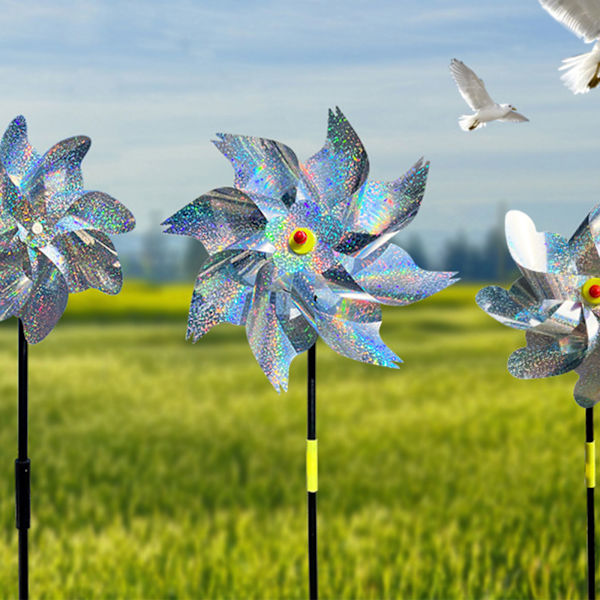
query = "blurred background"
x=163 y=469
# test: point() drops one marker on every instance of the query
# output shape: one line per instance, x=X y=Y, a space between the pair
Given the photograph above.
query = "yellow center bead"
x=302 y=240
x=591 y=291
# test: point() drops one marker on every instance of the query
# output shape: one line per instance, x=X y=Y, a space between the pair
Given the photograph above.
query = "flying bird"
x=473 y=91
x=582 y=17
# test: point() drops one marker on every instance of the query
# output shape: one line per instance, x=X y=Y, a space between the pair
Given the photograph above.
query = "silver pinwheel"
x=53 y=242
x=53 y=233
x=301 y=250
x=556 y=301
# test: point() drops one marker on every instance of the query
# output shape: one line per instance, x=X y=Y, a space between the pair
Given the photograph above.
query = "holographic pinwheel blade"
x=562 y=320
x=56 y=181
x=15 y=207
x=276 y=331
x=348 y=326
x=587 y=388
x=545 y=356
x=394 y=278
x=16 y=154
x=219 y=219
x=46 y=302
x=87 y=259
x=341 y=166
x=262 y=167
x=223 y=291
x=15 y=285
x=515 y=308
x=554 y=286
x=584 y=244
x=96 y=210
x=536 y=251
x=379 y=210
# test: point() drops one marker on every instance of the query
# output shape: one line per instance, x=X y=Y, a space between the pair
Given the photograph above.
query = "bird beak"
x=514 y=108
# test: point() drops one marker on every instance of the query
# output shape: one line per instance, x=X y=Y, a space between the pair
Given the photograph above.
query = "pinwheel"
x=301 y=250
x=53 y=241
x=556 y=301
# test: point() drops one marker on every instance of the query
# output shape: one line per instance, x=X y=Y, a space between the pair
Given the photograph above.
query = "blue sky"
x=151 y=82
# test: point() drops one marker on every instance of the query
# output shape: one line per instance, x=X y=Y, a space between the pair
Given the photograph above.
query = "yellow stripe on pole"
x=590 y=464
x=312 y=466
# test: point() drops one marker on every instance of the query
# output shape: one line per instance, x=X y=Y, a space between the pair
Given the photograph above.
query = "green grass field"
x=162 y=469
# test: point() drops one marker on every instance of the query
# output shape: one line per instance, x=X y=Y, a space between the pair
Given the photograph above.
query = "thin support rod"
x=312 y=472
x=590 y=480
x=23 y=472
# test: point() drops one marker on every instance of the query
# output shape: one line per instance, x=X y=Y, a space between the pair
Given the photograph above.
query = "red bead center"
x=300 y=238
x=594 y=291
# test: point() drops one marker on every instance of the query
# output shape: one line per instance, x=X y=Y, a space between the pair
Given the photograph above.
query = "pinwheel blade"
x=587 y=388
x=395 y=279
x=561 y=321
x=219 y=219
x=46 y=302
x=545 y=356
x=508 y=307
x=15 y=208
x=56 y=181
x=554 y=286
x=86 y=259
x=537 y=251
x=341 y=166
x=276 y=335
x=349 y=327
x=96 y=210
x=221 y=293
x=262 y=167
x=584 y=244
x=16 y=154
x=15 y=285
x=379 y=210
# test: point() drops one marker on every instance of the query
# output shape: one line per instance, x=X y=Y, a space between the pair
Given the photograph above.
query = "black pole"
x=311 y=473
x=22 y=473
x=590 y=481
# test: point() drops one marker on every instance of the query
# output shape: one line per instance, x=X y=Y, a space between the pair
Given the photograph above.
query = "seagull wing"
x=582 y=17
x=513 y=117
x=471 y=88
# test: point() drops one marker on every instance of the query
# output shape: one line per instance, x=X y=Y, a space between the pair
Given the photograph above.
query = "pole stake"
x=23 y=472
x=311 y=472
x=590 y=480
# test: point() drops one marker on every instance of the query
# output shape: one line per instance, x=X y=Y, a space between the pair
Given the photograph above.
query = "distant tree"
x=458 y=256
x=499 y=265
x=132 y=265
x=157 y=260
x=490 y=261
x=416 y=249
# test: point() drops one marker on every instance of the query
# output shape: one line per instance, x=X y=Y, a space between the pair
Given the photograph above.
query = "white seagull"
x=582 y=17
x=473 y=91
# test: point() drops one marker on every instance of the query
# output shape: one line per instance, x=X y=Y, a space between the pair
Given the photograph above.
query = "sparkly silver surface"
x=286 y=298
x=549 y=303
x=53 y=233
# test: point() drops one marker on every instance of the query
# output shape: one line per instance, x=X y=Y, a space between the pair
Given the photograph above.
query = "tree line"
x=487 y=260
